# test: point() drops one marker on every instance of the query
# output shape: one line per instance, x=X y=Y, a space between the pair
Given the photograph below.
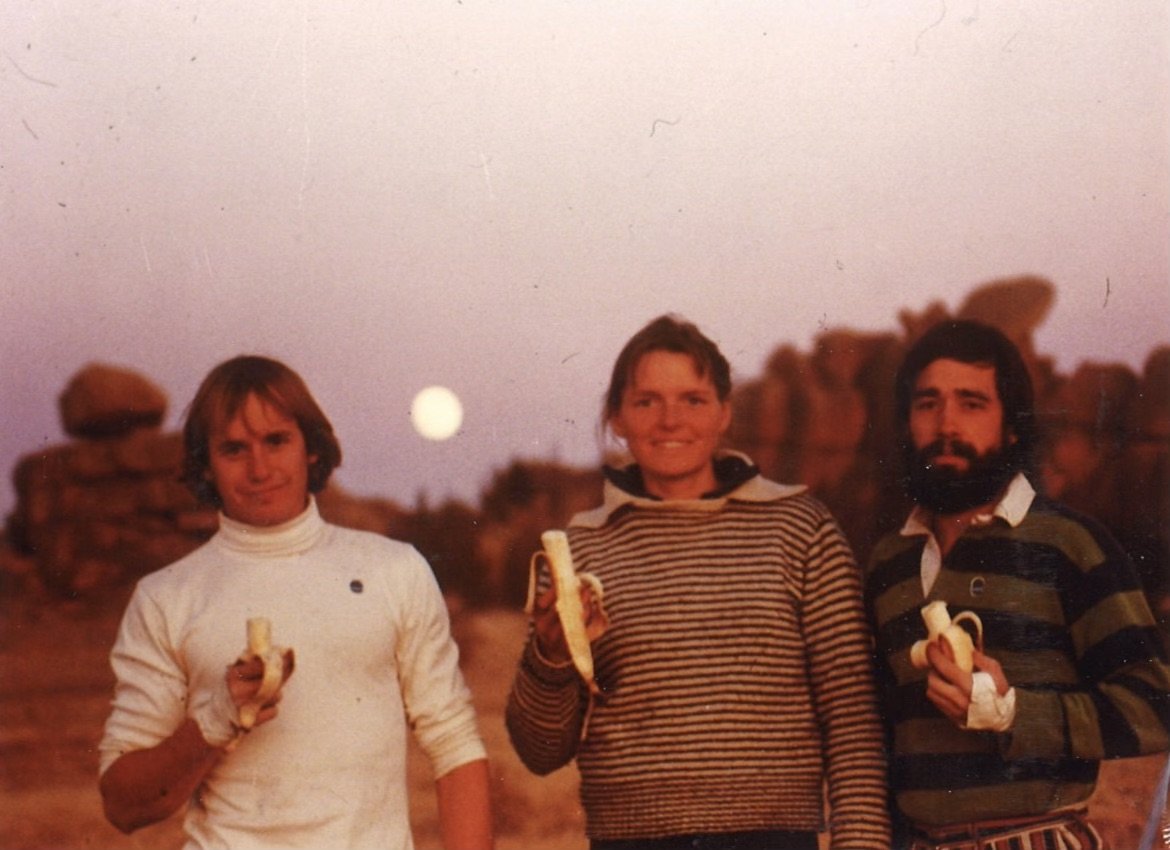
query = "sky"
x=493 y=196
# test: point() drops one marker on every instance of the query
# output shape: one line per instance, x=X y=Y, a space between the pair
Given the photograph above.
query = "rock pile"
x=108 y=507
x=827 y=419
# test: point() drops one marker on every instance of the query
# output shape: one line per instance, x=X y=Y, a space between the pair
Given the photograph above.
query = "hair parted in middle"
x=672 y=333
x=222 y=395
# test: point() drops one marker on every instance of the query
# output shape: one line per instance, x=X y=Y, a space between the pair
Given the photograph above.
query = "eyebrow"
x=934 y=392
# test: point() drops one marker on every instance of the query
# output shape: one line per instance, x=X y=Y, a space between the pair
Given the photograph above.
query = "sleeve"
x=1120 y=705
x=150 y=690
x=837 y=641
x=545 y=711
x=436 y=698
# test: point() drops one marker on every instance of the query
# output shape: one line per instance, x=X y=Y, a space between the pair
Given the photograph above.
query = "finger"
x=547 y=600
x=248 y=670
x=943 y=662
x=946 y=697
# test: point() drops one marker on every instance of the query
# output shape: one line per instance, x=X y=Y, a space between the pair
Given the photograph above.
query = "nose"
x=947 y=419
x=257 y=465
x=669 y=417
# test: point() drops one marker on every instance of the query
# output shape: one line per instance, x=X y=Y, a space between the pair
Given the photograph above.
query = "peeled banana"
x=940 y=627
x=570 y=608
x=259 y=631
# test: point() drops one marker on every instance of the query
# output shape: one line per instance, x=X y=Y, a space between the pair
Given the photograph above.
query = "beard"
x=945 y=490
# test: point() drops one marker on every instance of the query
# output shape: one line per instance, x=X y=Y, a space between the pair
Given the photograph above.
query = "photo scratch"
x=29 y=76
x=1108 y=292
x=484 y=162
x=657 y=121
x=941 y=17
x=308 y=136
x=146 y=257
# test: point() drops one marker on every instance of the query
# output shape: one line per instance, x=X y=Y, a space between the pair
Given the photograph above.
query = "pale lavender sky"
x=494 y=196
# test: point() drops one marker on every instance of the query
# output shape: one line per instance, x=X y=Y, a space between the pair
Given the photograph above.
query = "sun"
x=436 y=413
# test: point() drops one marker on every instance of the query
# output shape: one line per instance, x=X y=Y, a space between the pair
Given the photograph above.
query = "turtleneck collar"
x=289 y=538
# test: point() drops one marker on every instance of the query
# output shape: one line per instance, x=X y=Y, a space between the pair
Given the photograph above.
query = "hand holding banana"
x=255 y=680
x=952 y=656
x=570 y=614
x=949 y=635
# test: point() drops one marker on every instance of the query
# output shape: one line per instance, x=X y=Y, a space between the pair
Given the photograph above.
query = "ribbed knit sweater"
x=374 y=661
x=1064 y=614
x=736 y=673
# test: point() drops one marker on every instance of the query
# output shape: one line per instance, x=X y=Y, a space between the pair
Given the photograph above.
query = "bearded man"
x=1068 y=669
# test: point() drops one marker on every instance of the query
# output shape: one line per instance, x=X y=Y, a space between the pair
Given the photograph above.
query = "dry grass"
x=54 y=692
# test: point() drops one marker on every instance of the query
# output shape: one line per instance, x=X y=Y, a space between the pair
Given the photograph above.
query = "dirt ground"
x=55 y=686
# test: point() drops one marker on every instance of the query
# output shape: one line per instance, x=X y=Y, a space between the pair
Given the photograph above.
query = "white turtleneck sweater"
x=374 y=657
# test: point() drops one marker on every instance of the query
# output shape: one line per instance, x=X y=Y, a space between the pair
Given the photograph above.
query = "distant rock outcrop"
x=827 y=420
x=108 y=401
x=108 y=507
x=99 y=512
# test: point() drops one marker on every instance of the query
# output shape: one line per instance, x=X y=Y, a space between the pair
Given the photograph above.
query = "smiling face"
x=672 y=420
x=259 y=465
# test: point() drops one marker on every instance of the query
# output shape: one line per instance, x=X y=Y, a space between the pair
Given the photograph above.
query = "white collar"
x=293 y=537
x=1011 y=508
x=755 y=489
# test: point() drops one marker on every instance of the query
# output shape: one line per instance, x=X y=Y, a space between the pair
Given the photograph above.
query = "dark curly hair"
x=975 y=343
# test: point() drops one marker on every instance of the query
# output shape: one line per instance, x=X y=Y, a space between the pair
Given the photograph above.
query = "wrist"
x=988 y=710
x=217 y=717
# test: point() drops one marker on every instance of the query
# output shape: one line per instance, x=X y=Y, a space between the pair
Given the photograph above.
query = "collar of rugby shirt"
x=1011 y=508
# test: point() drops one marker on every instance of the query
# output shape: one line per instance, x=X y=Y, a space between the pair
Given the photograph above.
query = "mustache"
x=942 y=446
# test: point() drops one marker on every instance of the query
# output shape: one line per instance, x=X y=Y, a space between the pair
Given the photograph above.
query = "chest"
x=668 y=579
x=326 y=614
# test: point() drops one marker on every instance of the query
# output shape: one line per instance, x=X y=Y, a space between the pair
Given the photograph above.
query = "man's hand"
x=949 y=687
x=243 y=681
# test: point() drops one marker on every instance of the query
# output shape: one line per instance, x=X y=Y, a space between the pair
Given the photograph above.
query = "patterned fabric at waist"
x=1064 y=830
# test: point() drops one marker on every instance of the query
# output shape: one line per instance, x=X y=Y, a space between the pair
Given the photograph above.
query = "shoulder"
x=177 y=573
x=1080 y=538
x=893 y=544
x=781 y=502
x=349 y=545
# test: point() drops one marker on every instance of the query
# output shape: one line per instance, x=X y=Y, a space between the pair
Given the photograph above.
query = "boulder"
x=105 y=401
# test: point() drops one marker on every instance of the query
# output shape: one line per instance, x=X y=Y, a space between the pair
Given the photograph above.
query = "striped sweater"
x=1064 y=614
x=736 y=674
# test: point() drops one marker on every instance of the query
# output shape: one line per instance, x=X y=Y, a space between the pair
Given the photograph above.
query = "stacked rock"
x=100 y=511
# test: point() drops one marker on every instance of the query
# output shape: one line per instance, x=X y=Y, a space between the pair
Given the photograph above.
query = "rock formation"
x=108 y=507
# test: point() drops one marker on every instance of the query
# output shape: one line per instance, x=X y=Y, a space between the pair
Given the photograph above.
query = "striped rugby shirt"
x=736 y=673
x=1063 y=612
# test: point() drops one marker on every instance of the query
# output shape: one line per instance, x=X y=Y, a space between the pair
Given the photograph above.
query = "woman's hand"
x=550 y=636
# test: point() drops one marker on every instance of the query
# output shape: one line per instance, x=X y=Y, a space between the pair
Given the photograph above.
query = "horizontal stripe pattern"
x=738 y=639
x=1063 y=613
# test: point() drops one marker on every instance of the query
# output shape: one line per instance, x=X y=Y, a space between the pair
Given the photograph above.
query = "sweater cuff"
x=545 y=671
x=217 y=716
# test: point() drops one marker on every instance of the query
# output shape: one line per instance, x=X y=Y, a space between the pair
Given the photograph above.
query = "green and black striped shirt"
x=1064 y=613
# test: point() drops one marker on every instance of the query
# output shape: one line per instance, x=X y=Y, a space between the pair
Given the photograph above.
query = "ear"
x=615 y=425
x=725 y=417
